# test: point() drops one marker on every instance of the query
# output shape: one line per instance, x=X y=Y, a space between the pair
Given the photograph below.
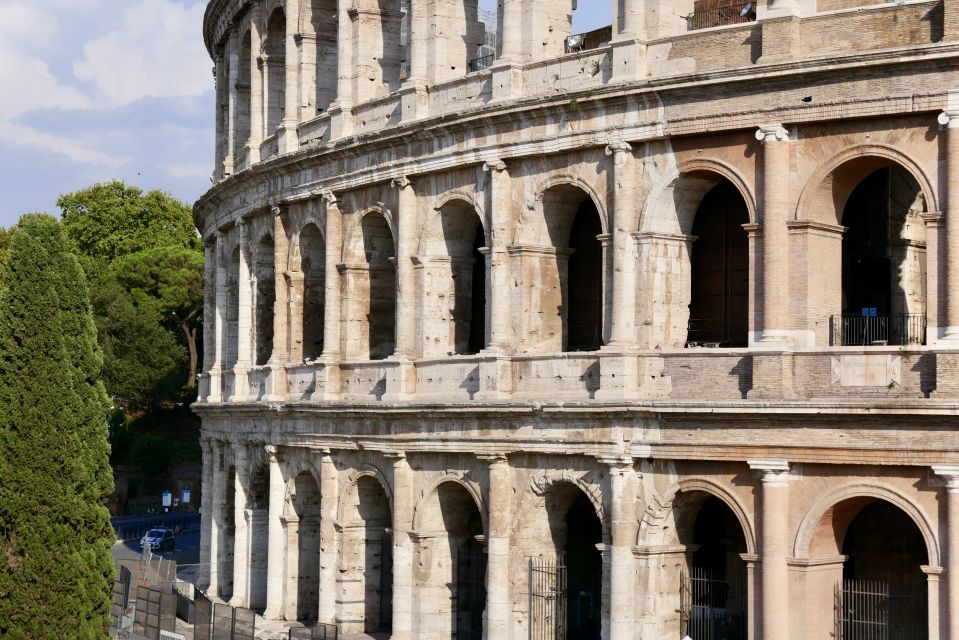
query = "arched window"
x=370 y=290
x=243 y=80
x=313 y=266
x=264 y=299
x=275 y=70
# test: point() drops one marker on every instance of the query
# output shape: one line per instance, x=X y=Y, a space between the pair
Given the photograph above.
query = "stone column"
x=405 y=285
x=220 y=303
x=402 y=547
x=288 y=139
x=501 y=216
x=244 y=317
x=775 y=214
x=328 y=508
x=209 y=312
x=206 y=515
x=496 y=624
x=419 y=42
x=241 y=539
x=950 y=473
x=623 y=334
x=950 y=119
x=932 y=596
x=511 y=47
x=220 y=76
x=281 y=324
x=295 y=282
x=276 y=550
x=291 y=541
x=233 y=55
x=331 y=309
x=217 y=501
x=341 y=110
x=773 y=547
x=257 y=103
x=622 y=518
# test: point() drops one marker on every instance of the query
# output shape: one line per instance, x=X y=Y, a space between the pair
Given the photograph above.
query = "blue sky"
x=103 y=89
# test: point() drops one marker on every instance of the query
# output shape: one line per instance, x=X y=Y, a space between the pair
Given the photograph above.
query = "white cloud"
x=155 y=51
x=189 y=170
x=77 y=151
x=30 y=82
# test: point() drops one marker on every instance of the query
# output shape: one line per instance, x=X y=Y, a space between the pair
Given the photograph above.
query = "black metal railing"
x=482 y=62
x=732 y=14
x=894 y=329
x=712 y=607
x=868 y=609
x=547 y=599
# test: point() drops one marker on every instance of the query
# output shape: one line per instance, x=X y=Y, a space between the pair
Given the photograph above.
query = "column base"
x=507 y=80
x=495 y=378
x=288 y=140
x=275 y=386
x=414 y=101
x=328 y=384
x=341 y=120
x=400 y=380
x=629 y=60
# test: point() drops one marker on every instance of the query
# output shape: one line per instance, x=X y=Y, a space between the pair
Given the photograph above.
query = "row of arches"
x=563 y=272
x=867 y=543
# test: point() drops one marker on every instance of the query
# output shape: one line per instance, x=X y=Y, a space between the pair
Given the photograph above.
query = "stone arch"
x=292 y=472
x=274 y=56
x=354 y=233
x=462 y=479
x=541 y=189
x=716 y=490
x=546 y=480
x=694 y=178
x=354 y=475
x=369 y=286
x=821 y=193
x=813 y=517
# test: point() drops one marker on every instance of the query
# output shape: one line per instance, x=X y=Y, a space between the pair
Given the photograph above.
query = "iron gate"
x=547 y=599
x=876 y=610
x=711 y=606
x=470 y=591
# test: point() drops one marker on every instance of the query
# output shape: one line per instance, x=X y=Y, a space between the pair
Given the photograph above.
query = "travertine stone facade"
x=602 y=344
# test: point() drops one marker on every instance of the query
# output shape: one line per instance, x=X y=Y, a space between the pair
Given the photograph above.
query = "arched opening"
x=232 y=312
x=243 y=80
x=878 y=584
x=712 y=586
x=584 y=571
x=227 y=541
x=584 y=283
x=325 y=26
x=379 y=47
x=562 y=260
x=883 y=262
x=452 y=271
x=719 y=270
x=366 y=578
x=451 y=589
x=264 y=298
x=258 y=503
x=274 y=68
x=458 y=35
x=313 y=266
x=302 y=523
x=561 y=541
x=370 y=294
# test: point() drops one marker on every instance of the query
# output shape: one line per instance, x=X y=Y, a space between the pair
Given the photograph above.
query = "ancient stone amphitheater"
x=652 y=331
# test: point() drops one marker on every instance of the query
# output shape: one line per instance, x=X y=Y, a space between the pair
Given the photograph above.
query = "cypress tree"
x=55 y=565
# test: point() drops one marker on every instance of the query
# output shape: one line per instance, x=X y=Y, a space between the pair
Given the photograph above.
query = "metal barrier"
x=202 y=616
x=126 y=530
x=320 y=631
x=712 y=607
x=868 y=609
x=155 y=613
x=482 y=62
x=732 y=14
x=892 y=329
x=547 y=599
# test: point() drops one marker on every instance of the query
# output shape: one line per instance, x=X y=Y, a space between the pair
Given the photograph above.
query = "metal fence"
x=877 y=610
x=134 y=528
x=121 y=613
x=732 y=14
x=894 y=329
x=482 y=62
x=547 y=599
x=712 y=606
x=320 y=631
x=155 y=613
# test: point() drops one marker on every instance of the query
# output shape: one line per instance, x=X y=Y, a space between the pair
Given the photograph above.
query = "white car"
x=159 y=539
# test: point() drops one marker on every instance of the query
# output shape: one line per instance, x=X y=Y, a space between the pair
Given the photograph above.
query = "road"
x=186 y=552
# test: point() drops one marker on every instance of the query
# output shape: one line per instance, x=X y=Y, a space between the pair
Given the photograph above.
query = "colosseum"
x=640 y=333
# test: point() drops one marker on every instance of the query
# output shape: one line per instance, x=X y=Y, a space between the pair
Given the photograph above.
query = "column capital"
x=772 y=133
x=329 y=198
x=617 y=463
x=771 y=470
x=949 y=118
x=949 y=473
x=496 y=458
x=274 y=452
x=396 y=456
x=401 y=182
x=494 y=165
x=618 y=147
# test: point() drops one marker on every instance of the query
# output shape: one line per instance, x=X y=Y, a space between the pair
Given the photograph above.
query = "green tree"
x=107 y=221
x=168 y=279
x=55 y=538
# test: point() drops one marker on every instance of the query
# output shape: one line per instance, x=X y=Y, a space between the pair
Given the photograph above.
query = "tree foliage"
x=55 y=564
x=146 y=261
x=108 y=221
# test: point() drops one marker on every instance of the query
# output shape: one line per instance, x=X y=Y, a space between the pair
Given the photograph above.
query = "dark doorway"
x=713 y=590
x=384 y=591
x=584 y=281
x=584 y=567
x=884 y=590
x=265 y=299
x=227 y=539
x=477 y=334
x=865 y=255
x=380 y=257
x=719 y=303
x=470 y=590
